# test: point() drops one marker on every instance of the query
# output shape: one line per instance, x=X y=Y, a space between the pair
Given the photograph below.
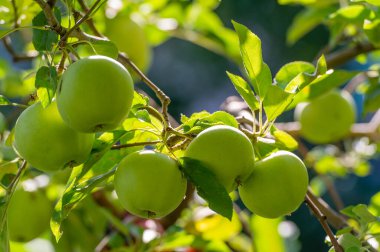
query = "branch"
x=322 y=219
x=342 y=56
x=80 y=21
x=120 y=146
x=51 y=18
x=170 y=219
x=164 y=99
x=15 y=56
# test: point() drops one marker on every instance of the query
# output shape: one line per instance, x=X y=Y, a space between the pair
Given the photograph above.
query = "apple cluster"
x=271 y=187
x=95 y=94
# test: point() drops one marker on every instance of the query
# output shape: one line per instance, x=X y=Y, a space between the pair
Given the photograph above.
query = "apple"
x=327 y=118
x=277 y=185
x=28 y=215
x=149 y=184
x=130 y=38
x=46 y=142
x=95 y=94
x=226 y=151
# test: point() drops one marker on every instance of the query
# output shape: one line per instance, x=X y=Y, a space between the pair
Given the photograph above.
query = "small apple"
x=130 y=38
x=328 y=118
x=277 y=185
x=28 y=215
x=95 y=94
x=46 y=142
x=226 y=151
x=149 y=184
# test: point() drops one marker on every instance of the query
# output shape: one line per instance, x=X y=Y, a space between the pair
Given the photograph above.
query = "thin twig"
x=15 y=56
x=322 y=219
x=89 y=22
x=51 y=18
x=83 y=19
x=120 y=146
x=15 y=12
x=164 y=99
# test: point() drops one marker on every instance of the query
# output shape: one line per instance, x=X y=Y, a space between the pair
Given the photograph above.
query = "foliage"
x=62 y=32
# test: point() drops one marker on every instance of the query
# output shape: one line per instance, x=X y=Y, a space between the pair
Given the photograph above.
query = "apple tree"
x=90 y=162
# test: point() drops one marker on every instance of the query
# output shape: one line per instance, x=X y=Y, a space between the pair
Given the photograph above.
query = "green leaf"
x=329 y=81
x=43 y=40
x=245 y=91
x=304 y=2
x=250 y=48
x=322 y=84
x=4 y=101
x=361 y=211
x=351 y=14
x=280 y=97
x=344 y=230
x=373 y=2
x=283 y=139
x=372 y=30
x=208 y=186
x=71 y=197
x=276 y=102
x=291 y=70
x=348 y=212
x=372 y=100
x=305 y=21
x=139 y=101
x=80 y=183
x=100 y=47
x=202 y=120
x=46 y=84
x=264 y=147
x=350 y=243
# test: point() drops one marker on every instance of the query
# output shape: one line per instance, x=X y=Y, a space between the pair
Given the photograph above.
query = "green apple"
x=28 y=215
x=95 y=94
x=277 y=185
x=328 y=118
x=130 y=38
x=226 y=151
x=149 y=184
x=46 y=142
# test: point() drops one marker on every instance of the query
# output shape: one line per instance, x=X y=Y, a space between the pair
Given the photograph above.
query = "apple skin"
x=149 y=184
x=226 y=151
x=277 y=185
x=95 y=94
x=130 y=38
x=328 y=118
x=46 y=142
x=28 y=215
